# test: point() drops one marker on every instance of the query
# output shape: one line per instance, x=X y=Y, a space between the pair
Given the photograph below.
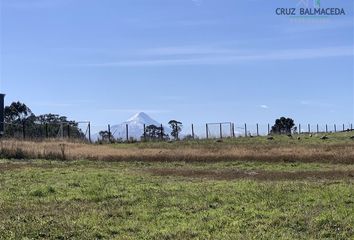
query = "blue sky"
x=193 y=60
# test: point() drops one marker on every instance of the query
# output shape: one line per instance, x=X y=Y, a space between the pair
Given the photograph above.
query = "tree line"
x=151 y=132
x=282 y=125
x=20 y=121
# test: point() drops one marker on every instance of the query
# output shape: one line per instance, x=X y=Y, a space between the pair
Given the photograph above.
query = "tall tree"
x=153 y=132
x=283 y=125
x=17 y=112
x=176 y=128
x=20 y=121
x=55 y=123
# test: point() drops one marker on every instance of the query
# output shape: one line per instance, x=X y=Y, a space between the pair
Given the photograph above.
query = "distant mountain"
x=135 y=127
x=141 y=118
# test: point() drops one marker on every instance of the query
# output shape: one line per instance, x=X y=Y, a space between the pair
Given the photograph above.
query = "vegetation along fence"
x=83 y=131
x=131 y=133
x=56 y=130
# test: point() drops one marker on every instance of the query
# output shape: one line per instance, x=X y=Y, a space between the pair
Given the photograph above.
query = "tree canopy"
x=176 y=128
x=20 y=121
x=17 y=112
x=153 y=132
x=283 y=125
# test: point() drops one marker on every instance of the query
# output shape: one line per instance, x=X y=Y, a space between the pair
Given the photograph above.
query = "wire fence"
x=57 y=130
x=133 y=132
x=84 y=131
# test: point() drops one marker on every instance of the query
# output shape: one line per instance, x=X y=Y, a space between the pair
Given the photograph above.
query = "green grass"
x=100 y=200
x=339 y=138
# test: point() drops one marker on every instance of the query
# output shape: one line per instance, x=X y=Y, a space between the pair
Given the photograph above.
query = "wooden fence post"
x=299 y=128
x=309 y=128
x=161 y=132
x=245 y=130
x=257 y=130
x=192 y=131
x=335 y=128
x=24 y=129
x=317 y=128
x=220 y=131
x=207 y=131
x=109 y=132
x=144 y=134
x=89 y=132
x=127 y=132
x=268 y=129
x=68 y=128
x=46 y=130
x=326 y=128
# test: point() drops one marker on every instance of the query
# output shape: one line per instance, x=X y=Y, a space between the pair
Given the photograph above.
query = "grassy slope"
x=87 y=200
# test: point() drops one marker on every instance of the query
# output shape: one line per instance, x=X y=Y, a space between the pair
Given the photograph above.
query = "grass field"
x=261 y=190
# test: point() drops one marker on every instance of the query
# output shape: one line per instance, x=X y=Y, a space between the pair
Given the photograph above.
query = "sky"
x=196 y=61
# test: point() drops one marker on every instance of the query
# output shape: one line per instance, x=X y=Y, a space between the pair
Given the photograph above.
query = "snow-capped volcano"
x=135 y=127
x=141 y=118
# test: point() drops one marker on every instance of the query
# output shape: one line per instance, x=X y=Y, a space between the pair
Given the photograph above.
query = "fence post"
x=317 y=128
x=24 y=129
x=220 y=130
x=245 y=130
x=61 y=130
x=207 y=131
x=127 y=132
x=335 y=128
x=309 y=128
x=192 y=131
x=89 y=132
x=109 y=132
x=299 y=128
x=68 y=128
x=343 y=127
x=268 y=128
x=161 y=132
x=257 y=130
x=46 y=130
x=144 y=132
x=326 y=128
x=351 y=127
x=233 y=130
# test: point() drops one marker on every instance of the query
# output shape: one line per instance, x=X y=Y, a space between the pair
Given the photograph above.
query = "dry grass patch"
x=340 y=153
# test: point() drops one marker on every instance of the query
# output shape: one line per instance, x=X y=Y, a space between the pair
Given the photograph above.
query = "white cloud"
x=214 y=56
x=197 y=2
x=264 y=106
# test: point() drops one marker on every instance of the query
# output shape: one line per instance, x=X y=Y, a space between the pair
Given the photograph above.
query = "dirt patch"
x=253 y=175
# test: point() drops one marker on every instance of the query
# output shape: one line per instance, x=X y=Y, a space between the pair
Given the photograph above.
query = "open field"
x=88 y=200
x=339 y=148
x=237 y=189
